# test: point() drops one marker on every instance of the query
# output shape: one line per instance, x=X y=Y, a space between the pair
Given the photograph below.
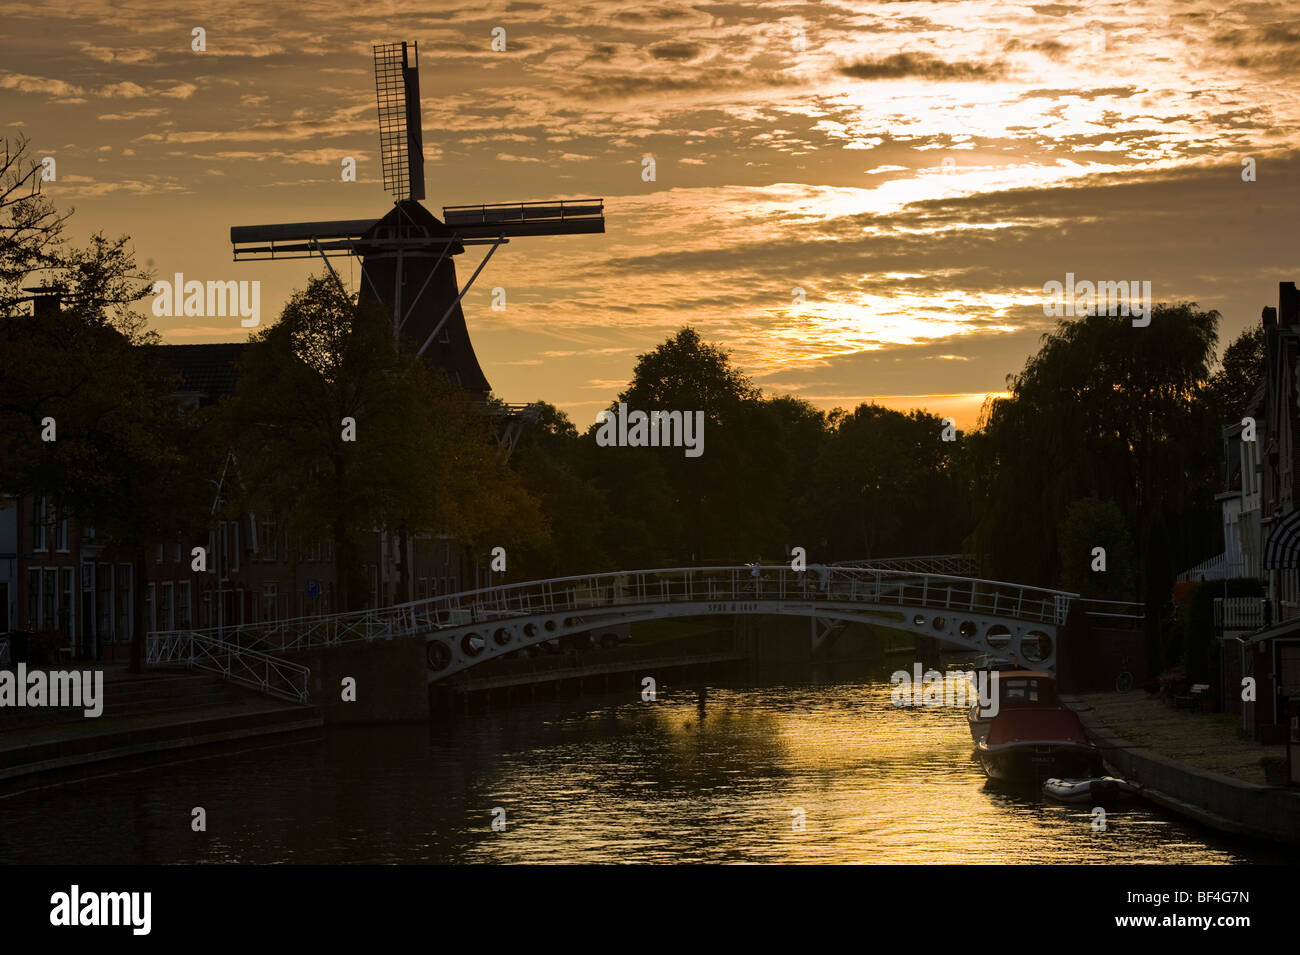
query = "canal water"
x=822 y=771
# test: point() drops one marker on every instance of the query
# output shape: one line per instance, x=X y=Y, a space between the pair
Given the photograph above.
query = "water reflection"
x=686 y=778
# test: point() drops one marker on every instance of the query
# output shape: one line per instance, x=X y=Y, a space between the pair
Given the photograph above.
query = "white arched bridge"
x=1008 y=621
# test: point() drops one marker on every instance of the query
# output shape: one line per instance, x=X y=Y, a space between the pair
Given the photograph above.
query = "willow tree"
x=1110 y=411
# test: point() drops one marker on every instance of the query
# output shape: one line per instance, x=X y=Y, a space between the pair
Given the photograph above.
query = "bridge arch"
x=467 y=629
x=1002 y=619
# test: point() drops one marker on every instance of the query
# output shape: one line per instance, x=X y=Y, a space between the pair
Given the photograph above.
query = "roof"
x=210 y=371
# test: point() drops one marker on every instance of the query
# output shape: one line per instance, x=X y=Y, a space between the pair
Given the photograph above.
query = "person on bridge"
x=754 y=572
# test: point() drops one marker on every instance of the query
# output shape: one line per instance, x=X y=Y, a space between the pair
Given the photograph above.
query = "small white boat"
x=1087 y=791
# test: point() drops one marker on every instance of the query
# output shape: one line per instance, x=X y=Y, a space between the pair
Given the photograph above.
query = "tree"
x=1109 y=575
x=1106 y=410
x=888 y=484
x=87 y=375
x=1243 y=368
x=707 y=496
x=31 y=229
x=339 y=429
x=547 y=459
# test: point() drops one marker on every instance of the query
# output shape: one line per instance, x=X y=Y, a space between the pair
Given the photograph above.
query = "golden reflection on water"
x=875 y=783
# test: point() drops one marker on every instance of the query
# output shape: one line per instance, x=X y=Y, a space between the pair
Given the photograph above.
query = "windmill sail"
x=401 y=148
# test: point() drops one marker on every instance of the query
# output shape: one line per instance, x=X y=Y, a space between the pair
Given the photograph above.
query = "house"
x=1270 y=652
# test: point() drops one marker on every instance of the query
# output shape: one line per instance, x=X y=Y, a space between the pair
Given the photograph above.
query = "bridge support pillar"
x=391 y=686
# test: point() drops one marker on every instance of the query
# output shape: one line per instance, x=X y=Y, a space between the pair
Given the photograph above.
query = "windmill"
x=406 y=256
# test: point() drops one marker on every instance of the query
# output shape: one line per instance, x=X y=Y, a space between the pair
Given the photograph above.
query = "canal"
x=824 y=770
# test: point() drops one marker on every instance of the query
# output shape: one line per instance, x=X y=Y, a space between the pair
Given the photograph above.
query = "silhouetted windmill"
x=406 y=256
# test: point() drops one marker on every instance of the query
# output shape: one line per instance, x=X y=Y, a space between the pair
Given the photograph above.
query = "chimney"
x=1269 y=316
x=45 y=304
x=1288 y=305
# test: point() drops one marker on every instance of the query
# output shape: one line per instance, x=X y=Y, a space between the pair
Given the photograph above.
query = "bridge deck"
x=719 y=589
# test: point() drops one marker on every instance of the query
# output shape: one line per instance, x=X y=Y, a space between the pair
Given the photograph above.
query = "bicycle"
x=1124 y=680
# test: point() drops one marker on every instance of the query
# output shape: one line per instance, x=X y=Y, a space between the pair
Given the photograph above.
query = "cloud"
x=124 y=90
x=148 y=113
x=25 y=83
x=674 y=50
x=921 y=65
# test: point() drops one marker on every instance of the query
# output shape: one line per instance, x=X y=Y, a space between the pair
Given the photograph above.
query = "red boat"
x=1034 y=736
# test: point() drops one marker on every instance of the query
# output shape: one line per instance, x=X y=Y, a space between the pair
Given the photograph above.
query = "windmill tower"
x=406 y=256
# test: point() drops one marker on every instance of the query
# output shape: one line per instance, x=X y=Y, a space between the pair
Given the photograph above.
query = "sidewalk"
x=1207 y=741
x=148 y=713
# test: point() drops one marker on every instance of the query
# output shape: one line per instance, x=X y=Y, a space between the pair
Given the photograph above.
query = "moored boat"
x=977 y=718
x=1033 y=736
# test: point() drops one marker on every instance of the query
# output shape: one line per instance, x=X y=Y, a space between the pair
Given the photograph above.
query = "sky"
x=859 y=201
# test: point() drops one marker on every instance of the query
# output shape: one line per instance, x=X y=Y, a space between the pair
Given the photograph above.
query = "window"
x=158 y=555
x=229 y=540
x=125 y=606
x=49 y=598
x=269 y=541
x=34 y=598
x=183 y=618
x=61 y=535
x=207 y=610
x=166 y=617
x=149 y=605
x=67 y=615
x=39 y=542
x=177 y=558
x=228 y=548
x=270 y=601
x=104 y=602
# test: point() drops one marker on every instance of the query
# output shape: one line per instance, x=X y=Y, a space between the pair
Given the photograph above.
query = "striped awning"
x=1282 y=552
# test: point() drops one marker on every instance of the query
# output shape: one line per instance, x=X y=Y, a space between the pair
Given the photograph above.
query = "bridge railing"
x=960 y=565
x=955 y=594
x=708 y=585
x=238 y=664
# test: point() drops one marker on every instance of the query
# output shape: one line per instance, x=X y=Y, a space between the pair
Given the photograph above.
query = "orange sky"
x=858 y=200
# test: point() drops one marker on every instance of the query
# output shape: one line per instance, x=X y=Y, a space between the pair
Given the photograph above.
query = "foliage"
x=1091 y=523
x=417 y=456
x=1102 y=410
